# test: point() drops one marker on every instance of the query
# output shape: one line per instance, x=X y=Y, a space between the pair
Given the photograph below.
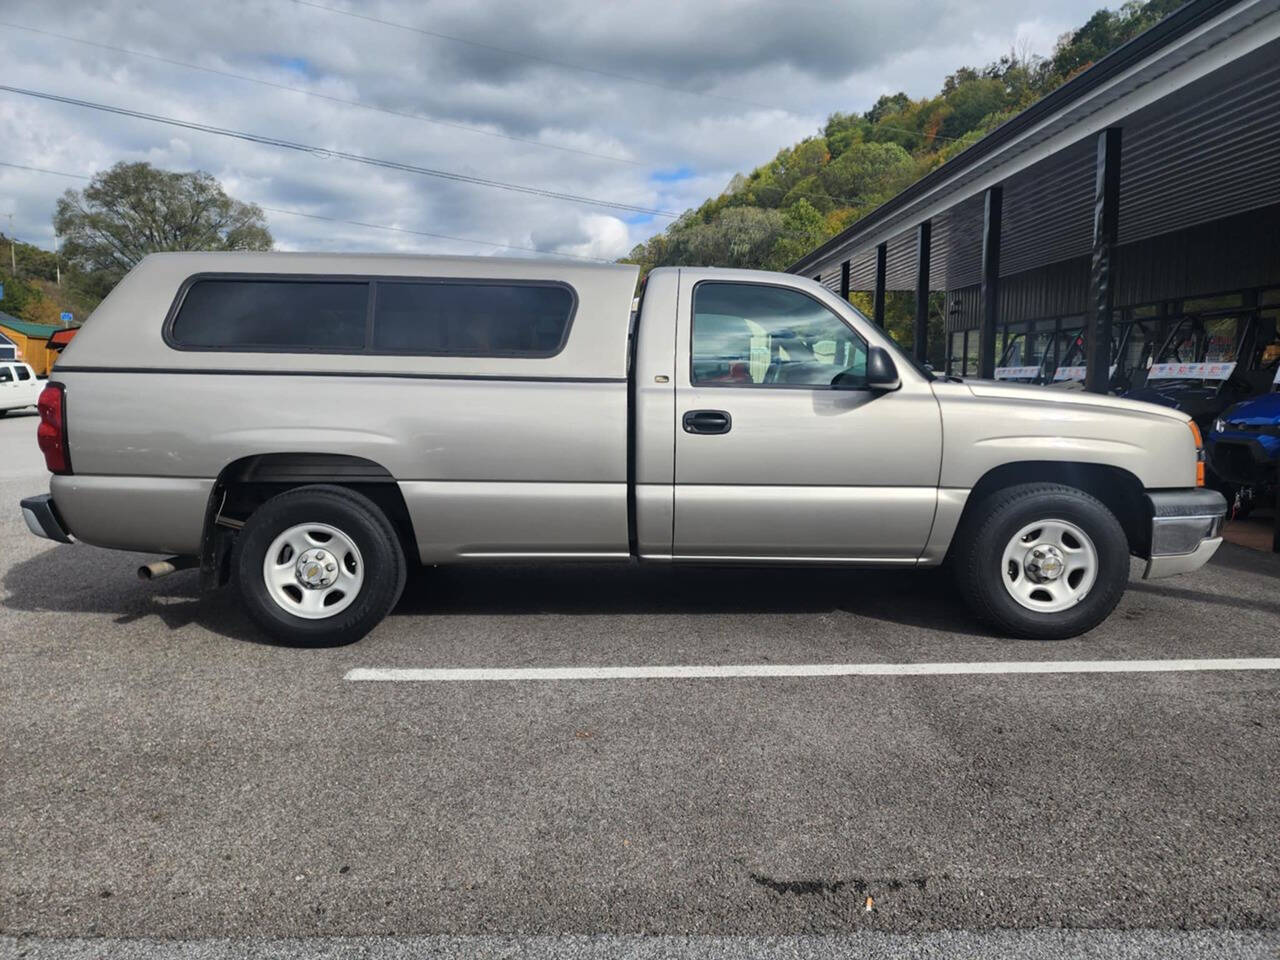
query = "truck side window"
x=6 y=374
x=236 y=314
x=24 y=372
x=472 y=319
x=751 y=334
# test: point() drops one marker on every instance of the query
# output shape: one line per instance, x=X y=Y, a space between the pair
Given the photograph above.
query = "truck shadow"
x=86 y=580
x=918 y=598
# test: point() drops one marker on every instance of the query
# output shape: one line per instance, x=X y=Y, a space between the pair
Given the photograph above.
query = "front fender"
x=981 y=433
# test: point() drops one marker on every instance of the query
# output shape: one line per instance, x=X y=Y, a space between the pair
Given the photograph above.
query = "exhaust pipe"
x=162 y=568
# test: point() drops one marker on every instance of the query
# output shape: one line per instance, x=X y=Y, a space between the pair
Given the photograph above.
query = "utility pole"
x=57 y=261
x=13 y=256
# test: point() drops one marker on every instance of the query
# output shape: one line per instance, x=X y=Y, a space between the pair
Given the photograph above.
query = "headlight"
x=1220 y=425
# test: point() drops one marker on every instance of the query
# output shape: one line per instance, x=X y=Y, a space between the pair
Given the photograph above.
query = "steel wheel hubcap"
x=1049 y=566
x=313 y=571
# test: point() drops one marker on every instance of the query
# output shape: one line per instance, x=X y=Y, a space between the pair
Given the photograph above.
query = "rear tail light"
x=51 y=435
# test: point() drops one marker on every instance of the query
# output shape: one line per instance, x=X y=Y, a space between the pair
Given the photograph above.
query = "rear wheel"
x=1042 y=561
x=318 y=566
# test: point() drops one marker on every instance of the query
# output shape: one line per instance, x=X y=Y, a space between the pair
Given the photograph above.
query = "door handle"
x=707 y=421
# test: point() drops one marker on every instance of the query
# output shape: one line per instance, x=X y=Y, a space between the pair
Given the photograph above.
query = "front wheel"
x=1042 y=561
x=318 y=566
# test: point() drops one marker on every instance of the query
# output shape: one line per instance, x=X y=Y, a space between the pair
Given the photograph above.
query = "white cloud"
x=764 y=75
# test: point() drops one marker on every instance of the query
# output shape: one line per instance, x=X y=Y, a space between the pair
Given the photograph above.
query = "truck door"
x=8 y=387
x=28 y=386
x=781 y=451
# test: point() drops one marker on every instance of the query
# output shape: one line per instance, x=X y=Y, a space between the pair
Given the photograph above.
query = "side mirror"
x=882 y=372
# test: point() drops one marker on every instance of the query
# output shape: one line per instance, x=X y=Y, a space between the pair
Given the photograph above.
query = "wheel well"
x=247 y=483
x=1121 y=491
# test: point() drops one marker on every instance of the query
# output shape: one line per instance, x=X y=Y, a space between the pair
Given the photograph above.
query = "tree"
x=887 y=104
x=803 y=228
x=971 y=101
x=20 y=296
x=133 y=209
x=739 y=237
x=867 y=173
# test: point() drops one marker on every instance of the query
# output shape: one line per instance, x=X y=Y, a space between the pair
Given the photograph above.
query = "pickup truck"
x=19 y=386
x=306 y=426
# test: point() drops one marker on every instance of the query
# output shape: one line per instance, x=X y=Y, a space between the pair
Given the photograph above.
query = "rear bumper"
x=43 y=520
x=144 y=514
x=1186 y=530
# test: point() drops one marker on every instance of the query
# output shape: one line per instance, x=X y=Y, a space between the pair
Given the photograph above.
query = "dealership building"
x=1135 y=208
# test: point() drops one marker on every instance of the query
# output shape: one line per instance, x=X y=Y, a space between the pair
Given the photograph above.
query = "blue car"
x=1244 y=444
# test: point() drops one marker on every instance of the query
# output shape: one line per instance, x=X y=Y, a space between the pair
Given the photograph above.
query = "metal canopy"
x=1198 y=99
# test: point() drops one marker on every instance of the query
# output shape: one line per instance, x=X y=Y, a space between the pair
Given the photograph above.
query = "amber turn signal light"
x=1199 y=442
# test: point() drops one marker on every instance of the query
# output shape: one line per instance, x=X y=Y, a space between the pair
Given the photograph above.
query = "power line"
x=344 y=155
x=538 y=58
x=321 y=96
x=354 y=223
x=56 y=173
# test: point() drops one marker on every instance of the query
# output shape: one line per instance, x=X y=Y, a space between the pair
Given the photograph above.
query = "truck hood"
x=1003 y=390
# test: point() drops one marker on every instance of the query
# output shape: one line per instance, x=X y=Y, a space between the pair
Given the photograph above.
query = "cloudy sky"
x=651 y=105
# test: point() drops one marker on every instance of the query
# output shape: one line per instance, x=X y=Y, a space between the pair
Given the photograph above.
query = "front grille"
x=1267 y=429
x=1235 y=463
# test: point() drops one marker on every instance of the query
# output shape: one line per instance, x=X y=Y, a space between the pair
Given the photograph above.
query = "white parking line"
x=471 y=674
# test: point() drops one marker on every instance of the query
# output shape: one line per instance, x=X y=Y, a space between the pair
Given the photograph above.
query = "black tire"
x=993 y=522
x=358 y=518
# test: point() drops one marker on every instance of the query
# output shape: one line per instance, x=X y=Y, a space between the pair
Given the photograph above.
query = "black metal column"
x=1106 y=226
x=844 y=280
x=877 y=302
x=990 y=291
x=924 y=237
x=1162 y=328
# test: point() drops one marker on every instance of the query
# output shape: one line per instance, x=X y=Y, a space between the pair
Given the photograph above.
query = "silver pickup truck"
x=308 y=425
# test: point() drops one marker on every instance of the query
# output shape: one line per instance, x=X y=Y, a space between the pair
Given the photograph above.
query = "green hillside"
x=34 y=294
x=810 y=191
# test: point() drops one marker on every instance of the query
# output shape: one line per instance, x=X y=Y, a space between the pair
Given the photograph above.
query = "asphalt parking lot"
x=173 y=787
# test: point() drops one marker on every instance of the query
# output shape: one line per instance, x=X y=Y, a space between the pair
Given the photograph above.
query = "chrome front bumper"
x=1186 y=530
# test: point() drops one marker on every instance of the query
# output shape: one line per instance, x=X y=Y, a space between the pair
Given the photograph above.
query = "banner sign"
x=1190 y=371
x=1075 y=373
x=1017 y=373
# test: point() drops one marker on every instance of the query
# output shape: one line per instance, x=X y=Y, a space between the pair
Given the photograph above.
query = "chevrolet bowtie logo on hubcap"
x=1044 y=563
x=316 y=569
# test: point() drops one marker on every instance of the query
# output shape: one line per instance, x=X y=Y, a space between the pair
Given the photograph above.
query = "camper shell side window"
x=393 y=316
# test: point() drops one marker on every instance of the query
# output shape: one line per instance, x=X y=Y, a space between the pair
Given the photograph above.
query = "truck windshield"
x=1199 y=351
x=1033 y=357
